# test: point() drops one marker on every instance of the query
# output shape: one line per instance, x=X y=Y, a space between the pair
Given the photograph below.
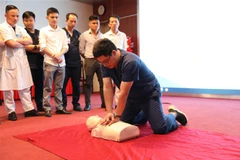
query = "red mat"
x=75 y=143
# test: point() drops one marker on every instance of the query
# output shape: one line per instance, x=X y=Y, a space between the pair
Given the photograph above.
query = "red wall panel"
x=16 y=96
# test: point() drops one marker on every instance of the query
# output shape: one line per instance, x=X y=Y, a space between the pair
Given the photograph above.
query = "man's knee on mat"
x=162 y=130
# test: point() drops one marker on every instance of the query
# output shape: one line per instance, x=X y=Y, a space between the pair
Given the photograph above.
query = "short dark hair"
x=28 y=14
x=93 y=17
x=103 y=47
x=52 y=10
x=114 y=16
x=67 y=15
x=10 y=7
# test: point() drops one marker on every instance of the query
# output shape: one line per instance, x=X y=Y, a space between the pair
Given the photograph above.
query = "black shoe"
x=12 y=116
x=103 y=105
x=31 y=113
x=87 y=107
x=77 y=108
x=63 y=111
x=180 y=117
x=48 y=113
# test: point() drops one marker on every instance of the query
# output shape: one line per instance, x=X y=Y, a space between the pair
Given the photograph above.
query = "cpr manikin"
x=119 y=131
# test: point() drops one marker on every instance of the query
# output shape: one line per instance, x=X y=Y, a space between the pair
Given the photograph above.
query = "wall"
x=39 y=7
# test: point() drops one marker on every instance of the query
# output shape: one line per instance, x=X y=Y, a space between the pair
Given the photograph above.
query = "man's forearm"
x=48 y=52
x=33 y=48
x=63 y=51
x=24 y=41
x=122 y=98
x=14 y=44
x=108 y=97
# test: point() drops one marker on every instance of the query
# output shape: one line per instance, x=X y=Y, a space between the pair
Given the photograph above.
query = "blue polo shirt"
x=132 y=68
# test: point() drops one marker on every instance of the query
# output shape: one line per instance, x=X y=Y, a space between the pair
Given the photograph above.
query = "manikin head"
x=92 y=122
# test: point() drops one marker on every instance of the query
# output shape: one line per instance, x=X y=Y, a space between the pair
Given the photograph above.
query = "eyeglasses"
x=106 y=61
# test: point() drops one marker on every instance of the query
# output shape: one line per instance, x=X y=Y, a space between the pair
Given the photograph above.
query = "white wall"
x=39 y=7
x=192 y=45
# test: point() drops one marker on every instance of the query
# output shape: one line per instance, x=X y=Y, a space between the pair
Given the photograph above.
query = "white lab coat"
x=15 y=72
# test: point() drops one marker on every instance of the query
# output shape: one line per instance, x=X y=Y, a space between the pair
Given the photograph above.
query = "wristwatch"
x=115 y=115
x=35 y=47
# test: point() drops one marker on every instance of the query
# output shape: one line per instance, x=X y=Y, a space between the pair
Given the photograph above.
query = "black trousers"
x=37 y=76
x=75 y=74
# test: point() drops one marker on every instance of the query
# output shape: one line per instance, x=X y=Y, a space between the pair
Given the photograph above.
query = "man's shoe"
x=12 y=116
x=77 y=108
x=63 y=111
x=180 y=116
x=87 y=107
x=48 y=113
x=31 y=113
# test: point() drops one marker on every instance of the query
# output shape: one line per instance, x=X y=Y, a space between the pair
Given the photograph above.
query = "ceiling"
x=92 y=2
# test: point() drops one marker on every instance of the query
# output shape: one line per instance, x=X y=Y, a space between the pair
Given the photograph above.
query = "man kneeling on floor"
x=139 y=98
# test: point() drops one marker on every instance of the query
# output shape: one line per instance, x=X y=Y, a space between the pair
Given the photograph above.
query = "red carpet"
x=75 y=142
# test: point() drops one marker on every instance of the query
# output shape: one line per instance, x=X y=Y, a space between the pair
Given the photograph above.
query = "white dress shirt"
x=119 y=39
x=55 y=40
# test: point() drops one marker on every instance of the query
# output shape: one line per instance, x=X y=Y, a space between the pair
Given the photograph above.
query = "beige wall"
x=39 y=7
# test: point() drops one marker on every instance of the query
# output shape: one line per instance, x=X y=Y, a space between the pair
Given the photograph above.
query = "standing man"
x=139 y=98
x=118 y=38
x=87 y=40
x=15 y=70
x=1 y=52
x=53 y=42
x=35 y=58
x=73 y=62
x=1 y=45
